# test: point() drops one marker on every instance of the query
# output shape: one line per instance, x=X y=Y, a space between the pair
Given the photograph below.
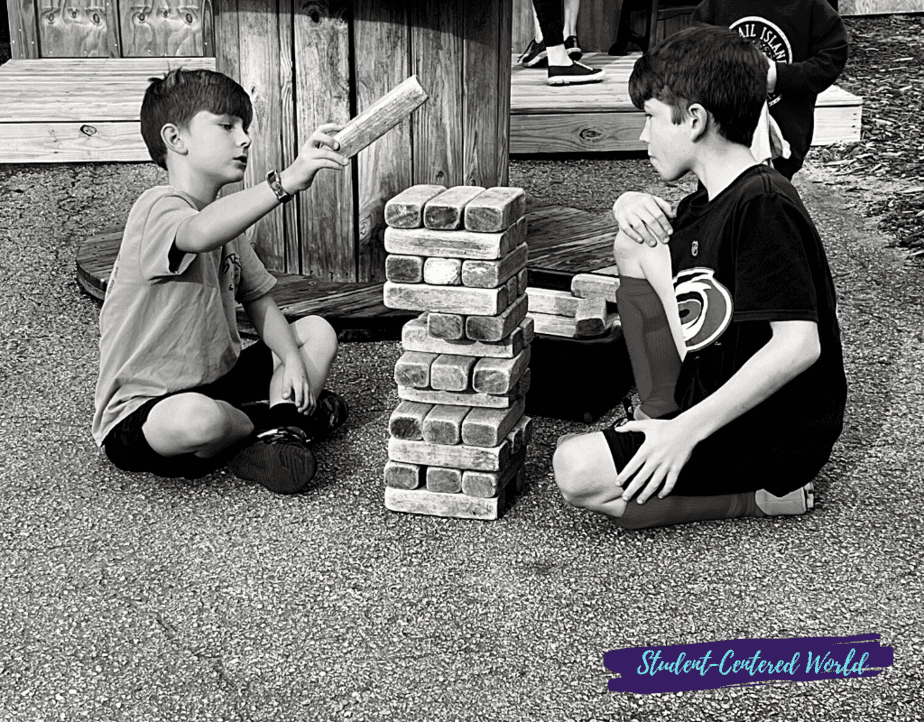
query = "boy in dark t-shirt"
x=731 y=328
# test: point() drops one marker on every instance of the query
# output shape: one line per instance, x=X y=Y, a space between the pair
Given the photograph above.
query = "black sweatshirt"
x=808 y=41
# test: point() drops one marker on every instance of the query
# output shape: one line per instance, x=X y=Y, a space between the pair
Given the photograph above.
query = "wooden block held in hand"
x=450 y=372
x=403 y=476
x=491 y=274
x=404 y=269
x=443 y=424
x=495 y=209
x=443 y=480
x=445 y=299
x=485 y=484
x=455 y=244
x=499 y=376
x=380 y=117
x=590 y=317
x=449 y=326
x=454 y=457
x=406 y=421
x=553 y=303
x=587 y=285
x=495 y=328
x=405 y=210
x=413 y=369
x=444 y=212
x=489 y=427
x=442 y=271
x=414 y=337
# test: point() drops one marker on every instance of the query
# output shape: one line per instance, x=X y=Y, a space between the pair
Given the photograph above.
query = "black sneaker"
x=574 y=74
x=572 y=48
x=329 y=415
x=534 y=56
x=279 y=459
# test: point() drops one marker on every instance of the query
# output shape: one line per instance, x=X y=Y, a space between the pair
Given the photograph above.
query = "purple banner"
x=735 y=662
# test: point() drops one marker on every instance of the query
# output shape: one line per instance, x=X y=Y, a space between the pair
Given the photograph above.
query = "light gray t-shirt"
x=166 y=328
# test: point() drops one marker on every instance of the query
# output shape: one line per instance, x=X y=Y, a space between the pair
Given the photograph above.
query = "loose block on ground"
x=591 y=316
x=444 y=212
x=587 y=285
x=445 y=299
x=455 y=244
x=552 y=303
x=405 y=210
x=495 y=209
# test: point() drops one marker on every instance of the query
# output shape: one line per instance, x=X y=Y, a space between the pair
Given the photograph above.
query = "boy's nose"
x=644 y=136
x=244 y=140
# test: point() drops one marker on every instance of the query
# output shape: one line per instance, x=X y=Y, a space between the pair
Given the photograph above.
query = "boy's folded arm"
x=225 y=219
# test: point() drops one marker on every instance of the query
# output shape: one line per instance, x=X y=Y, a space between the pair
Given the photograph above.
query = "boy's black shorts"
x=248 y=381
x=735 y=460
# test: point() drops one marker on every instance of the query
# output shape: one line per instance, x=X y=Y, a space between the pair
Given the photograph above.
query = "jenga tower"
x=459 y=437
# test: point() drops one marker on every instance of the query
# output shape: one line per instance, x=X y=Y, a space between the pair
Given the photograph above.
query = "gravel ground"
x=126 y=597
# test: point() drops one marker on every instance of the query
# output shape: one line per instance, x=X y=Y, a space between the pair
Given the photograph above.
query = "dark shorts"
x=127 y=447
x=734 y=460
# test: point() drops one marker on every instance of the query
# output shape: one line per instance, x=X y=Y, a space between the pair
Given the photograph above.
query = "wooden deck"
x=600 y=117
x=562 y=242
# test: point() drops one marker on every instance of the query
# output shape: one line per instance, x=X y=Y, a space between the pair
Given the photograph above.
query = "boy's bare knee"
x=203 y=422
x=567 y=464
x=317 y=332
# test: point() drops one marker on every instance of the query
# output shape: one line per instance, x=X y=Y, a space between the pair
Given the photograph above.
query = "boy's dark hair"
x=179 y=95
x=712 y=66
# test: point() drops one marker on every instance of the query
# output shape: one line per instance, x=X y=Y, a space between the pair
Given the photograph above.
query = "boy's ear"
x=173 y=139
x=699 y=121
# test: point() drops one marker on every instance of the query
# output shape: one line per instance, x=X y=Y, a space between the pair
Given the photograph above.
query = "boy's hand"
x=665 y=451
x=644 y=217
x=316 y=154
x=296 y=387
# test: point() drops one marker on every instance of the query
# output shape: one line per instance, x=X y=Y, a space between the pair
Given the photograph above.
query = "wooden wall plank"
x=436 y=58
x=522 y=26
x=23 y=29
x=481 y=92
x=288 y=148
x=227 y=38
x=77 y=29
x=502 y=163
x=67 y=143
x=159 y=28
x=385 y=168
x=322 y=94
x=576 y=133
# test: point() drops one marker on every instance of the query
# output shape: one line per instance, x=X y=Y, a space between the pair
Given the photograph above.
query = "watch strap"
x=276 y=185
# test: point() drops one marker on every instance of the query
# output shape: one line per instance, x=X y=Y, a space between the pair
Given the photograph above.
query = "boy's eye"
x=227 y=126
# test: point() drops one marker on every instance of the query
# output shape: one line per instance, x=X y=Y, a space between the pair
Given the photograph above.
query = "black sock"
x=652 y=351
x=285 y=413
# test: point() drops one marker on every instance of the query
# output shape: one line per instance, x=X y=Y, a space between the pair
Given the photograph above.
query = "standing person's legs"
x=562 y=69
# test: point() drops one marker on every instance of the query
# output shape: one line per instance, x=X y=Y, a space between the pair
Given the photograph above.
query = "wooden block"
x=607 y=271
x=445 y=481
x=406 y=421
x=500 y=376
x=444 y=212
x=495 y=209
x=512 y=290
x=491 y=274
x=590 y=317
x=405 y=210
x=489 y=427
x=485 y=484
x=455 y=244
x=522 y=280
x=455 y=506
x=467 y=398
x=495 y=328
x=449 y=326
x=443 y=424
x=380 y=117
x=450 y=372
x=445 y=299
x=454 y=457
x=520 y=435
x=413 y=369
x=555 y=303
x=565 y=327
x=414 y=337
x=587 y=285
x=442 y=271
x=399 y=475
x=404 y=269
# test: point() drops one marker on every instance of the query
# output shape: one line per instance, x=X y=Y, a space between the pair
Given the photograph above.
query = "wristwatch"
x=273 y=179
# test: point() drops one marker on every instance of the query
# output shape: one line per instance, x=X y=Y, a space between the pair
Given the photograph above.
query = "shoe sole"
x=542 y=58
x=574 y=80
x=282 y=470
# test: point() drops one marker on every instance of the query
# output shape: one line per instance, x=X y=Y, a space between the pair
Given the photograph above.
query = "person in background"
x=555 y=44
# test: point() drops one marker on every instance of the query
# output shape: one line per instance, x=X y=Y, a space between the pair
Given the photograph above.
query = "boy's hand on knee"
x=296 y=386
x=644 y=217
x=667 y=448
x=318 y=153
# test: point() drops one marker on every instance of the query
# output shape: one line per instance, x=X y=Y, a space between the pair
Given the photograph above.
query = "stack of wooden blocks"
x=459 y=437
x=588 y=311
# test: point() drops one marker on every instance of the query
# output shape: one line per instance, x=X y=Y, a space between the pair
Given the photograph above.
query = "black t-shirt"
x=750 y=256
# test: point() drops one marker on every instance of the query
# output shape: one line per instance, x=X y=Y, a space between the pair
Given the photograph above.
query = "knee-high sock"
x=685 y=509
x=652 y=351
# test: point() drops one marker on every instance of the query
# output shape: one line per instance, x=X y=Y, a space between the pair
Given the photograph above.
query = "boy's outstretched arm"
x=793 y=347
x=228 y=217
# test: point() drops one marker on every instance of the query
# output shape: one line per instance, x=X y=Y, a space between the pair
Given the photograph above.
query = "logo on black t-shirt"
x=768 y=37
x=705 y=306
